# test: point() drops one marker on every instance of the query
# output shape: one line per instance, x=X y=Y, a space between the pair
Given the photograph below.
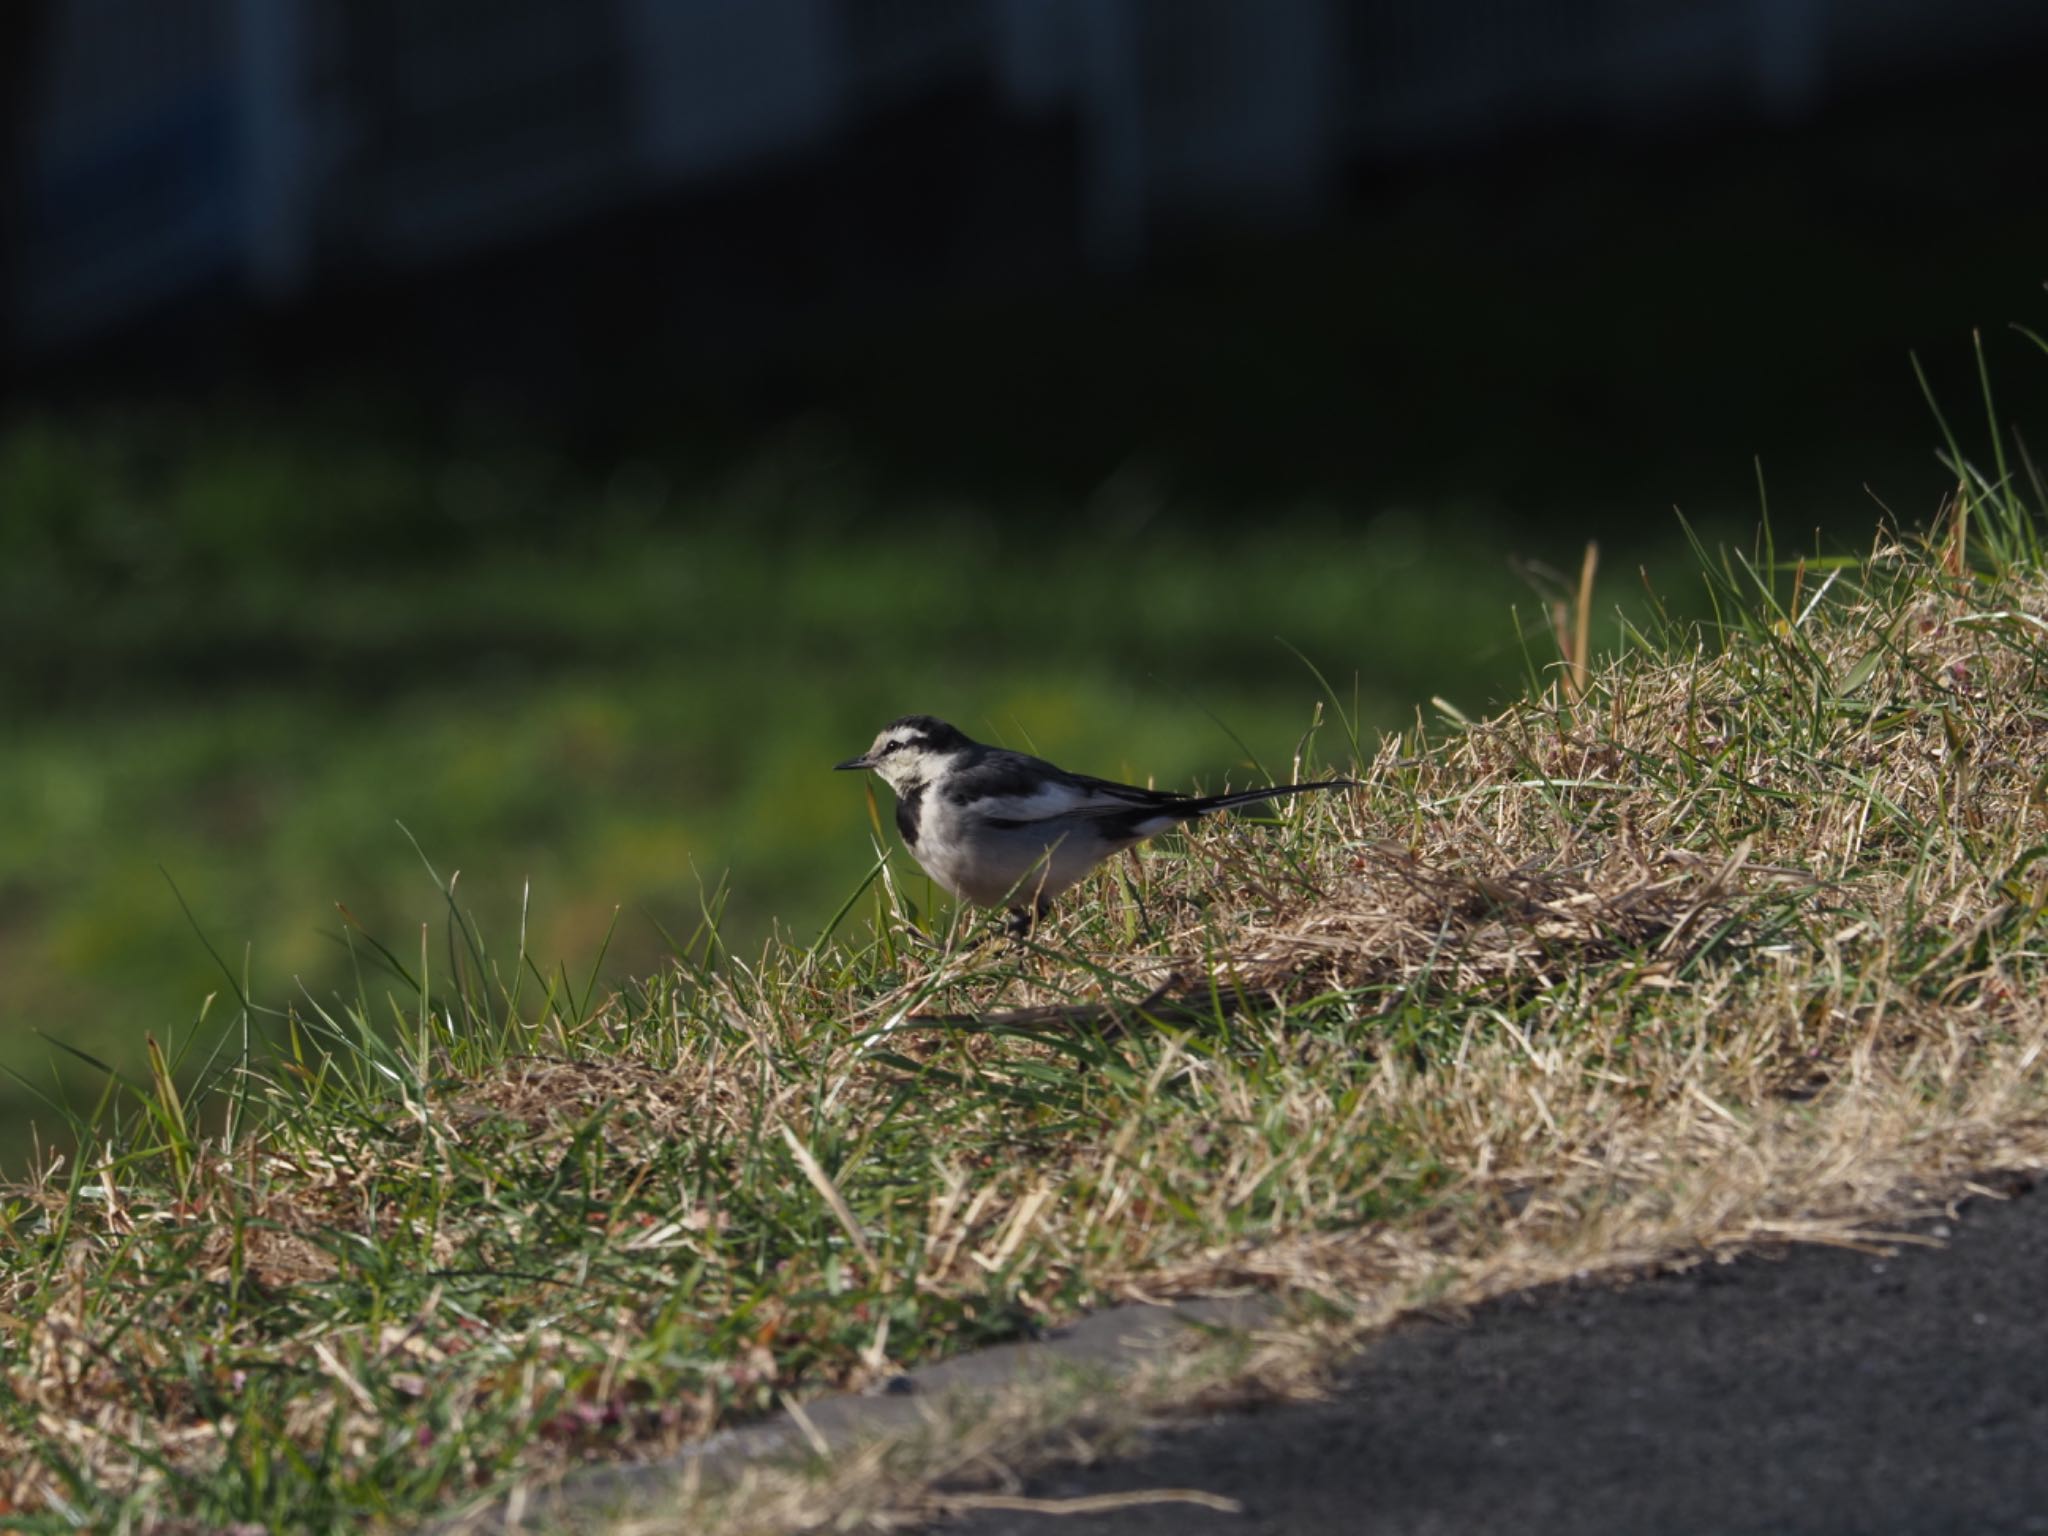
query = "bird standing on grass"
x=999 y=828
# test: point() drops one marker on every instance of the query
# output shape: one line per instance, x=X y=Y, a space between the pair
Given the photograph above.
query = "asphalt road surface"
x=1818 y=1390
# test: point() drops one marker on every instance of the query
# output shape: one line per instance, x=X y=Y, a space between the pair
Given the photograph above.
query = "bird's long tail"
x=1209 y=804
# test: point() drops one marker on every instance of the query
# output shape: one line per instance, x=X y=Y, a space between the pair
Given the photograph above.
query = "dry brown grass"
x=1728 y=941
x=1796 y=995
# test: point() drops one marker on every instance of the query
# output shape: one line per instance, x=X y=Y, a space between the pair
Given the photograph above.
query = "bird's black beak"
x=852 y=762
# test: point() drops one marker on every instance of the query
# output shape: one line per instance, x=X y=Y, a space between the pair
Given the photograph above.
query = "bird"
x=999 y=828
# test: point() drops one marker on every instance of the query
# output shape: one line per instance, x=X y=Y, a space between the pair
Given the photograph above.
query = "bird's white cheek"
x=903 y=770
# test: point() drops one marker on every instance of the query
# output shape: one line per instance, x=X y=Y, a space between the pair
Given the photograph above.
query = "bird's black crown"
x=927 y=732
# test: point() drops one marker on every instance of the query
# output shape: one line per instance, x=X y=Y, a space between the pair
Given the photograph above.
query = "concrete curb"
x=1114 y=1344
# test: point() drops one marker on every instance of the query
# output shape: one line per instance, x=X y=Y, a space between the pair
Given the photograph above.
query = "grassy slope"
x=1732 y=939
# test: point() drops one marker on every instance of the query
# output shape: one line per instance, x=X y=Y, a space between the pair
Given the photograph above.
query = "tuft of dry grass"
x=1730 y=939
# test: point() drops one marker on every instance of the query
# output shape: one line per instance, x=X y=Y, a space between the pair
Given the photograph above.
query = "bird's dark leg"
x=1023 y=920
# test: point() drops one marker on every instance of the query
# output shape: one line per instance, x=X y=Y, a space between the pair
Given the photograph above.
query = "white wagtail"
x=1003 y=829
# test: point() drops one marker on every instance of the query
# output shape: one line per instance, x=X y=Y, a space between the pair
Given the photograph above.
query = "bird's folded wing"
x=1069 y=798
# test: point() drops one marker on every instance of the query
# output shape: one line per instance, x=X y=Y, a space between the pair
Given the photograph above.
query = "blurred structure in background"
x=247 y=156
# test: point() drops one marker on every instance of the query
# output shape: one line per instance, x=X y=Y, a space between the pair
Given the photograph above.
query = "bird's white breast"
x=969 y=852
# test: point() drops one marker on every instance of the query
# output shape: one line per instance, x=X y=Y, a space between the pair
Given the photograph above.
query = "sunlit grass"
x=1729 y=937
x=1719 y=933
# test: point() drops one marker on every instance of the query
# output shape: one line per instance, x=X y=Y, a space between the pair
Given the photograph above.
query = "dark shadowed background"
x=567 y=428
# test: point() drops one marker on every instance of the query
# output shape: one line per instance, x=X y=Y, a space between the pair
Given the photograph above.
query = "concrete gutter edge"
x=1114 y=1344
